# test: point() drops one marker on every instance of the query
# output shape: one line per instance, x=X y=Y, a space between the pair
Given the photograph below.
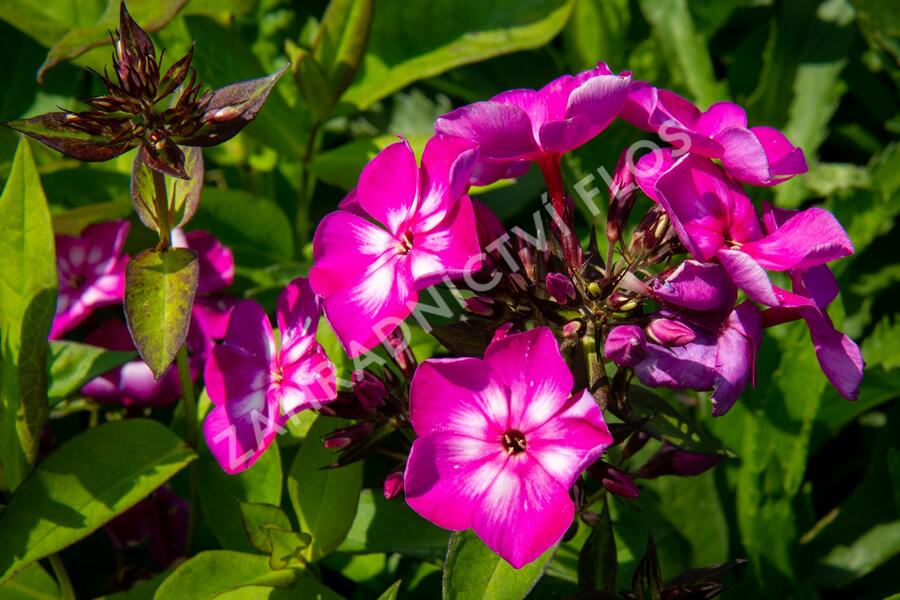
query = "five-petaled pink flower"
x=255 y=385
x=501 y=441
x=520 y=126
x=755 y=155
x=91 y=271
x=369 y=274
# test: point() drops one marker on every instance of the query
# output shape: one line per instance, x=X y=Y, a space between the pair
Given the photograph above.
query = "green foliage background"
x=812 y=495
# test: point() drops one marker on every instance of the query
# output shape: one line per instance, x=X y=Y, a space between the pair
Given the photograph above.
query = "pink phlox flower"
x=256 y=384
x=501 y=441
x=754 y=155
x=404 y=229
x=517 y=127
x=91 y=270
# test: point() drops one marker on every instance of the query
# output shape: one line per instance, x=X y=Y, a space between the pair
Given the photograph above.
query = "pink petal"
x=388 y=186
x=250 y=333
x=760 y=156
x=308 y=383
x=808 y=238
x=216 y=261
x=650 y=167
x=108 y=237
x=735 y=356
x=721 y=116
x=524 y=512
x=571 y=441
x=532 y=367
x=501 y=130
x=297 y=315
x=697 y=286
x=211 y=314
x=447 y=164
x=450 y=249
x=239 y=432
x=231 y=375
x=458 y=395
x=748 y=275
x=448 y=474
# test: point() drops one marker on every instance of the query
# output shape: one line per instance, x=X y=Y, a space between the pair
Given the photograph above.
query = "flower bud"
x=650 y=231
x=480 y=305
x=669 y=332
x=393 y=484
x=560 y=287
x=625 y=345
x=518 y=282
x=570 y=330
x=347 y=436
x=614 y=480
x=527 y=257
x=635 y=444
x=369 y=390
x=670 y=460
x=502 y=331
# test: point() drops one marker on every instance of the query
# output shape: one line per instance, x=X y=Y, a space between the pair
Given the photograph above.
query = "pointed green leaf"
x=183 y=194
x=472 y=571
x=31 y=583
x=258 y=517
x=325 y=500
x=27 y=304
x=408 y=45
x=287 y=547
x=213 y=573
x=598 y=30
x=159 y=294
x=88 y=480
x=341 y=40
x=72 y=365
x=597 y=562
x=56 y=131
x=392 y=592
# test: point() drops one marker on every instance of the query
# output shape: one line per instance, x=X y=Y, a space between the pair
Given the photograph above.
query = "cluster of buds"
x=142 y=108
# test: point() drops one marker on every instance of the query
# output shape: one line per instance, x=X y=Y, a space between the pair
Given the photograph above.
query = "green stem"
x=307 y=185
x=189 y=407
x=161 y=205
x=62 y=577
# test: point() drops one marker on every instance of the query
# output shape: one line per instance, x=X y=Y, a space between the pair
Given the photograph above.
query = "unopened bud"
x=226 y=113
x=670 y=460
x=650 y=231
x=518 y=282
x=502 y=331
x=668 y=332
x=635 y=444
x=480 y=305
x=393 y=484
x=347 y=436
x=625 y=345
x=527 y=258
x=622 y=193
x=560 y=287
x=570 y=330
x=614 y=480
x=369 y=390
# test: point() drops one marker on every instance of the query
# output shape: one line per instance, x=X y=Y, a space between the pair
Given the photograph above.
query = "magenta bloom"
x=813 y=290
x=403 y=230
x=756 y=155
x=132 y=384
x=91 y=271
x=714 y=218
x=679 y=354
x=520 y=126
x=256 y=385
x=501 y=441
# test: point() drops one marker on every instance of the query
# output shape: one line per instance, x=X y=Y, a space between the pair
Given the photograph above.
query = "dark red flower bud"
x=560 y=287
x=650 y=231
x=669 y=332
x=347 y=436
x=614 y=480
x=393 y=484
x=369 y=390
x=670 y=460
x=622 y=193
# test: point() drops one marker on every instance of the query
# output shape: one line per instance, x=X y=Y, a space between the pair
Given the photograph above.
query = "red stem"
x=550 y=166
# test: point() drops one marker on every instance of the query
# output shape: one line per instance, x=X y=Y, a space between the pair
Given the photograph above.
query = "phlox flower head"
x=401 y=231
x=501 y=441
x=91 y=270
x=517 y=127
x=257 y=384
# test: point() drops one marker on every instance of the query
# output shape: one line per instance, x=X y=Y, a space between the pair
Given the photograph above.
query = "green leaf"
x=880 y=347
x=598 y=30
x=143 y=590
x=667 y=423
x=259 y=516
x=71 y=365
x=597 y=562
x=152 y=15
x=74 y=220
x=183 y=194
x=159 y=294
x=392 y=592
x=473 y=572
x=287 y=547
x=325 y=500
x=391 y=526
x=408 y=45
x=340 y=42
x=221 y=494
x=255 y=228
x=221 y=57
x=27 y=305
x=684 y=50
x=31 y=583
x=88 y=480
x=304 y=587
x=213 y=573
